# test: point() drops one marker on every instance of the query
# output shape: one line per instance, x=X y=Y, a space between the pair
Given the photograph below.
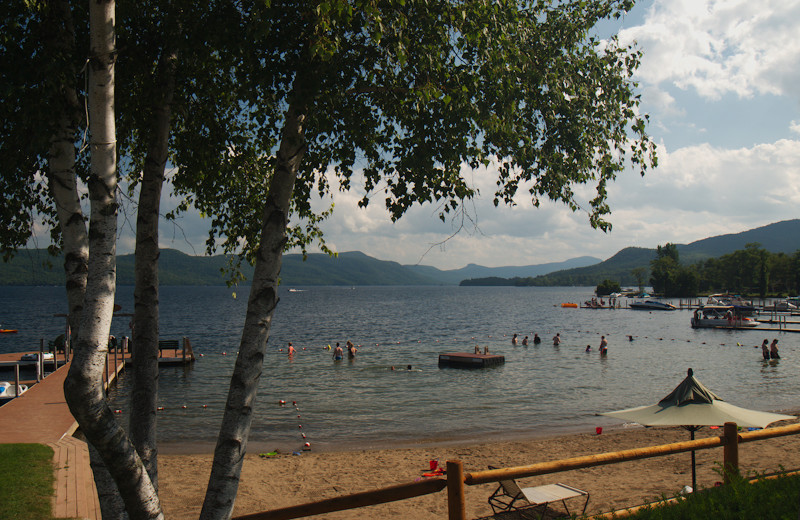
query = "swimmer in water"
x=536 y=339
x=291 y=349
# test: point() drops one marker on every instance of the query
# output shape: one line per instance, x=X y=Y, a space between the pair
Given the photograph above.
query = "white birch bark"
x=232 y=441
x=60 y=41
x=144 y=398
x=83 y=387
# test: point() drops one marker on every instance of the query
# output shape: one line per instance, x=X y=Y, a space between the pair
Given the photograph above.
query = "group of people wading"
x=770 y=351
x=338 y=353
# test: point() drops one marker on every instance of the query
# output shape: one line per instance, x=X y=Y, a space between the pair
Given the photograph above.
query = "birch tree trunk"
x=83 y=387
x=60 y=43
x=232 y=441
x=144 y=397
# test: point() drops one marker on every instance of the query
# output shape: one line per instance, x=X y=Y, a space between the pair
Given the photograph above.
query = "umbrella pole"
x=694 y=474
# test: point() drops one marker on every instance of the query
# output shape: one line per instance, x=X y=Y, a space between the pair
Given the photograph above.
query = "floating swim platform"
x=469 y=360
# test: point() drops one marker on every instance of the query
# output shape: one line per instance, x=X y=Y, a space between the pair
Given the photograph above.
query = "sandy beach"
x=286 y=479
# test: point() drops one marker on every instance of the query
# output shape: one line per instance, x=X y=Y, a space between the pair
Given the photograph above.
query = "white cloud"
x=722 y=46
x=696 y=192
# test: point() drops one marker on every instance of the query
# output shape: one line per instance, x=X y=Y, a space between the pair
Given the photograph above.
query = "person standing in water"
x=525 y=341
x=536 y=339
x=514 y=339
x=773 y=350
x=557 y=339
x=337 y=352
x=603 y=346
x=351 y=350
x=765 y=349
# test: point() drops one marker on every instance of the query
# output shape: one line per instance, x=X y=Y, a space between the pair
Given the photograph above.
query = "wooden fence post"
x=730 y=451
x=456 y=506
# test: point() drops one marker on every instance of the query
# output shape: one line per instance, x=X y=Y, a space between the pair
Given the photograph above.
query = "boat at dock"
x=9 y=390
x=651 y=305
x=34 y=356
x=745 y=307
x=722 y=317
x=728 y=299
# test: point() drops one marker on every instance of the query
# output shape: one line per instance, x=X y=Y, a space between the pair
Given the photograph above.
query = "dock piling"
x=16 y=380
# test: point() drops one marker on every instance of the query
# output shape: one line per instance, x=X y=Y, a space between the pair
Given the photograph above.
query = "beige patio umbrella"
x=692 y=405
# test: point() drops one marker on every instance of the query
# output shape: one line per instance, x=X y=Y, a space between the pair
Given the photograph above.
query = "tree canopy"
x=408 y=97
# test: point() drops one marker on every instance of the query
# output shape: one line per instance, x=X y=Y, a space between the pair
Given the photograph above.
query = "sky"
x=720 y=81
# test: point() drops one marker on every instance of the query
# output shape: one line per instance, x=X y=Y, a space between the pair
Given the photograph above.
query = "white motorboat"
x=728 y=299
x=781 y=306
x=722 y=317
x=34 y=356
x=9 y=390
x=652 y=305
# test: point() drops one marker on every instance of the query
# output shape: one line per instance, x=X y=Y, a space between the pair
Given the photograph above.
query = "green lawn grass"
x=27 y=477
x=777 y=498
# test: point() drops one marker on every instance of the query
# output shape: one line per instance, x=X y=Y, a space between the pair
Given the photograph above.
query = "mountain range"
x=780 y=237
x=37 y=267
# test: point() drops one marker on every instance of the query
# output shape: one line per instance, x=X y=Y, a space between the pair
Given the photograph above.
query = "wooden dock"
x=469 y=360
x=41 y=416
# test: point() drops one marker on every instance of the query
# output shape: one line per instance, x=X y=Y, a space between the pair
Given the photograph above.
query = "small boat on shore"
x=652 y=305
x=722 y=317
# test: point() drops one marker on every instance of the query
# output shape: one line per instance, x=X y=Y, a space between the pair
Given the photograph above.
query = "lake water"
x=540 y=390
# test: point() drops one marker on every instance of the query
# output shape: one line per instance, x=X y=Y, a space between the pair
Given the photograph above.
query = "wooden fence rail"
x=457 y=479
x=366 y=498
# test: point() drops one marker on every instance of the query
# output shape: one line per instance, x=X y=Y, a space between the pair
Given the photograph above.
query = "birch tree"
x=38 y=65
x=83 y=387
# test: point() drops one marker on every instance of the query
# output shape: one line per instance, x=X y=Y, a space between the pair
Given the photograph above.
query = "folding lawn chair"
x=510 y=497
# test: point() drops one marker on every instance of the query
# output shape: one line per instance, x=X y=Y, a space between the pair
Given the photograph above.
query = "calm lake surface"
x=540 y=390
